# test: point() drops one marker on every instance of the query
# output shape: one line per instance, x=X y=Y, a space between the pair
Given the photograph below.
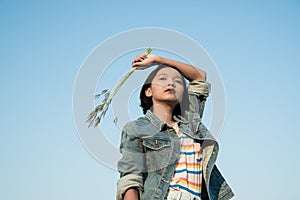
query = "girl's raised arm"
x=190 y=72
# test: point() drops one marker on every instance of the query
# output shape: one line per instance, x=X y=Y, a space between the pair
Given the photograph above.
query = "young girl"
x=169 y=153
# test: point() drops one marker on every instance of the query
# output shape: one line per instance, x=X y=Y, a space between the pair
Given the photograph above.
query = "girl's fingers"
x=139 y=65
x=140 y=57
x=137 y=62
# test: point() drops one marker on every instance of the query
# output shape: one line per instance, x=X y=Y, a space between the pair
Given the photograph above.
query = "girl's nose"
x=171 y=84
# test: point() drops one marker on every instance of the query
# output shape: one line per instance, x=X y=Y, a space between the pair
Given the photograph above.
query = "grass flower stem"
x=99 y=112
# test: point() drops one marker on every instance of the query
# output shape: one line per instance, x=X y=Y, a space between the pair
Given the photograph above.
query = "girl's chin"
x=173 y=102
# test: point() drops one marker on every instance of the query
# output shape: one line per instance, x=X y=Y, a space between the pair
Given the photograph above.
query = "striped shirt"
x=187 y=177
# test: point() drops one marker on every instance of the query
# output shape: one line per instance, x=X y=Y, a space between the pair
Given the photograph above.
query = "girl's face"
x=167 y=86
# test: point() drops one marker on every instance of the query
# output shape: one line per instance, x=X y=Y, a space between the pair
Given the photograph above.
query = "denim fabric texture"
x=150 y=151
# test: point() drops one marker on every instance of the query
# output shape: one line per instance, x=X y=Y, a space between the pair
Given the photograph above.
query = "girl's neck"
x=164 y=113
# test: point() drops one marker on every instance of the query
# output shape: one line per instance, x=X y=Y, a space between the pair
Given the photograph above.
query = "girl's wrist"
x=158 y=60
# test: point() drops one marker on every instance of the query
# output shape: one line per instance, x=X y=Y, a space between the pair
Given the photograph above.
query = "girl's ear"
x=148 y=92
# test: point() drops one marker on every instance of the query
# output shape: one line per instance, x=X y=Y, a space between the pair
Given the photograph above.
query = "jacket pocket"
x=158 y=152
x=156 y=143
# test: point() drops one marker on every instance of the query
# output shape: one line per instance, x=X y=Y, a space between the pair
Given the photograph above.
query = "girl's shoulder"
x=137 y=123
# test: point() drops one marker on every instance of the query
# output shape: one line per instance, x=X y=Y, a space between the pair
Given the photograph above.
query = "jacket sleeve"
x=198 y=92
x=132 y=164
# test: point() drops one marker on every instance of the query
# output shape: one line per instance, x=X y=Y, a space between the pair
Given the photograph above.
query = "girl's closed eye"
x=178 y=81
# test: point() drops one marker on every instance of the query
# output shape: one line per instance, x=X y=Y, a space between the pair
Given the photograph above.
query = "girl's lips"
x=170 y=90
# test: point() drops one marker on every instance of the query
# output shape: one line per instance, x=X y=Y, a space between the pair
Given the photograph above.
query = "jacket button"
x=165 y=180
x=201 y=135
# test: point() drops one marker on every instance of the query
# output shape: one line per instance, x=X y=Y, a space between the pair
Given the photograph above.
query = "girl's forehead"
x=168 y=71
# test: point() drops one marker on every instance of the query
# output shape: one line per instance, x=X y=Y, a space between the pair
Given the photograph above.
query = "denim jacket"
x=150 y=151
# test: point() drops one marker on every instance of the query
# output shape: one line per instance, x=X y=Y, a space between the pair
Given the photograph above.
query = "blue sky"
x=255 y=46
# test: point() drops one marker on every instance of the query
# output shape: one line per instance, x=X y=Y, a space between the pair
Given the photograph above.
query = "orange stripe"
x=190 y=147
x=188 y=164
x=187 y=145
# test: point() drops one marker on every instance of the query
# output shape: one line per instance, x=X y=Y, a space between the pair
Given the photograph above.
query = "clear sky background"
x=255 y=45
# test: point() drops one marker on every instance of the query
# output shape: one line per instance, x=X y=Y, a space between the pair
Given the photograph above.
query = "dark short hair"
x=146 y=102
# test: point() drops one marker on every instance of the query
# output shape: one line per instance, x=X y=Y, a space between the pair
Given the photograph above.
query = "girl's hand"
x=143 y=61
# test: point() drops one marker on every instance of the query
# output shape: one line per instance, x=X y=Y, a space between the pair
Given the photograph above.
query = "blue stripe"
x=186 y=189
x=188 y=153
x=188 y=171
x=183 y=136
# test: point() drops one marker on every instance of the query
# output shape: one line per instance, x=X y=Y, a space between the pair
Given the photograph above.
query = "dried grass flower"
x=99 y=112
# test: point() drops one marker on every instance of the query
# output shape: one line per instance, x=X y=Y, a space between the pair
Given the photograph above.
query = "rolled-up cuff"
x=199 y=88
x=129 y=181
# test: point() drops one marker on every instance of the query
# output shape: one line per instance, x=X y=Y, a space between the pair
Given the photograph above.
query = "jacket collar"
x=157 y=122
